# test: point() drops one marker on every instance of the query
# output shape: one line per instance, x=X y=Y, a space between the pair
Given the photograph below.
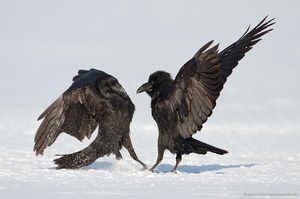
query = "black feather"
x=181 y=106
x=94 y=99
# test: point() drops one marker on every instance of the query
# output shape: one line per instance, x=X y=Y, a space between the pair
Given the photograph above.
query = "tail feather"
x=85 y=157
x=199 y=147
x=75 y=160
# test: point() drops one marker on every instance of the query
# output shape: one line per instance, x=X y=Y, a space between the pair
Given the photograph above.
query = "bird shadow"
x=202 y=168
x=94 y=166
x=100 y=165
x=181 y=168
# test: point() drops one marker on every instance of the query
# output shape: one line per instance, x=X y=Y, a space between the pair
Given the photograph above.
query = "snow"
x=263 y=160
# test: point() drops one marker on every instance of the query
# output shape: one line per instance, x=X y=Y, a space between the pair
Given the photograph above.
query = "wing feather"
x=72 y=113
x=49 y=128
x=199 y=82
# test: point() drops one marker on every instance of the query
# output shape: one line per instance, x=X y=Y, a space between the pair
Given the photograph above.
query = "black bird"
x=94 y=99
x=181 y=106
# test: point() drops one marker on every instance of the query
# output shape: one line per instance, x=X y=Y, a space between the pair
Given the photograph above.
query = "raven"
x=181 y=106
x=94 y=99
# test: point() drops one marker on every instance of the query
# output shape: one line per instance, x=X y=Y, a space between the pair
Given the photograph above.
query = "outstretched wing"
x=199 y=82
x=230 y=56
x=73 y=113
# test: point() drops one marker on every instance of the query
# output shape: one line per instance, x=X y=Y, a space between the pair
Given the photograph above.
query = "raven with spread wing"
x=181 y=106
x=94 y=99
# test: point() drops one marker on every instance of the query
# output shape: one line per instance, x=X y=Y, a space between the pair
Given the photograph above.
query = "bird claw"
x=154 y=171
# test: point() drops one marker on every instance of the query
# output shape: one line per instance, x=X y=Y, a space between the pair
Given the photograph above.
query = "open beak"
x=119 y=90
x=145 y=87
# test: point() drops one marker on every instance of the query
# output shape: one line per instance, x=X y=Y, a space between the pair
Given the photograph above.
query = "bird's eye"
x=155 y=81
x=111 y=81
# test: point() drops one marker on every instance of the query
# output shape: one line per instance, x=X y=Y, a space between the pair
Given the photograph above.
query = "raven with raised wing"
x=181 y=106
x=94 y=99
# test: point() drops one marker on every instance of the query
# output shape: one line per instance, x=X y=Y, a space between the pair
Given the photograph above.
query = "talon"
x=153 y=171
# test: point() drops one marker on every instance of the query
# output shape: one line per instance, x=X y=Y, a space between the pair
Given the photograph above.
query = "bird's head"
x=158 y=84
x=110 y=87
x=100 y=81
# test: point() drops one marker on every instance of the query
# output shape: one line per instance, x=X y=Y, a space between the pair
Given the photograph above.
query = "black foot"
x=154 y=171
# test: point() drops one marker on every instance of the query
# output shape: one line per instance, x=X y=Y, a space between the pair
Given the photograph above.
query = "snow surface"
x=44 y=43
x=263 y=160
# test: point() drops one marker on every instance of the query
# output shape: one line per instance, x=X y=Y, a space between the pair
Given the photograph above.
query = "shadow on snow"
x=180 y=168
x=202 y=168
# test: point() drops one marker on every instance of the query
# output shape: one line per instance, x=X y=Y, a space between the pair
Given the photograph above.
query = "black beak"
x=145 y=87
x=119 y=90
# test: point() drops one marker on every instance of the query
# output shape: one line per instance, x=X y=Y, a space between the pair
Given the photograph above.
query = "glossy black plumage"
x=181 y=106
x=94 y=99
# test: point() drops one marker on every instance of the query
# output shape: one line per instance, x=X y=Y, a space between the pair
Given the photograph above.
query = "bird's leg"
x=128 y=145
x=160 y=156
x=118 y=155
x=178 y=160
